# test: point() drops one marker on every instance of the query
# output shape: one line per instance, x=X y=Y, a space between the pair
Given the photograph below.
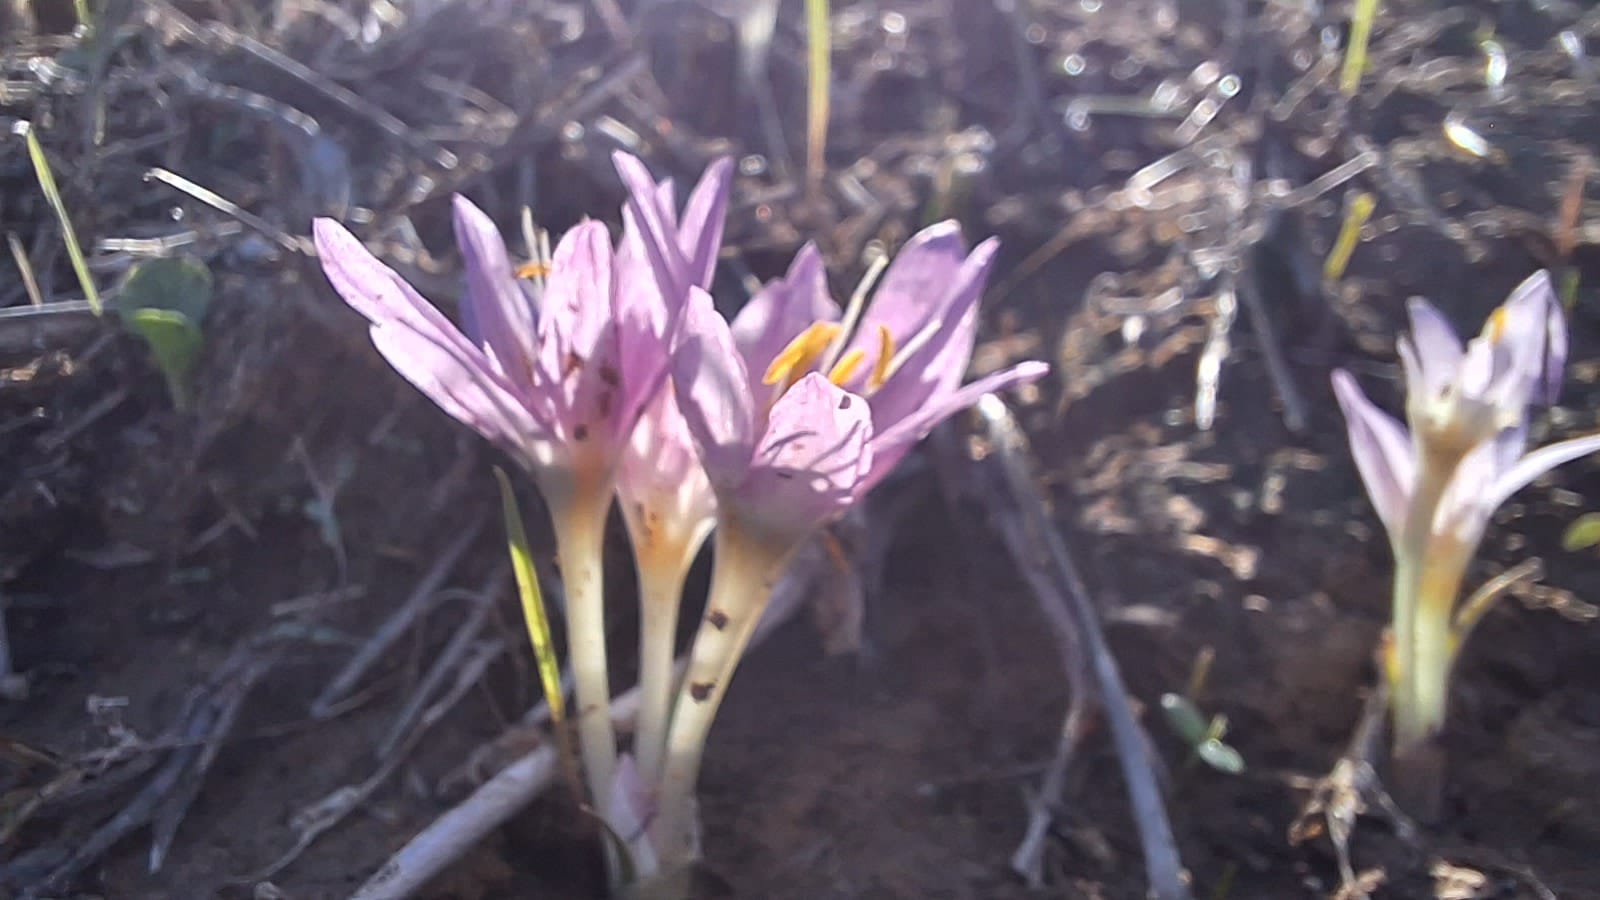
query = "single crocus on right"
x=1436 y=485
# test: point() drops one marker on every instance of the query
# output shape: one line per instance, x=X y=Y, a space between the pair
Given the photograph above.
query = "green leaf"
x=174 y=342
x=164 y=301
x=533 y=611
x=1583 y=533
x=178 y=284
x=1569 y=289
x=1220 y=756
x=1185 y=719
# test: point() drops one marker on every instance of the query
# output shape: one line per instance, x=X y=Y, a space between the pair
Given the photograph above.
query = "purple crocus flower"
x=1436 y=485
x=556 y=374
x=797 y=412
x=780 y=467
x=906 y=352
x=553 y=389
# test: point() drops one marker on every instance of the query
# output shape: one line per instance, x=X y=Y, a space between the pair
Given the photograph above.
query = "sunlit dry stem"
x=747 y=565
x=819 y=42
x=1470 y=613
x=1571 y=210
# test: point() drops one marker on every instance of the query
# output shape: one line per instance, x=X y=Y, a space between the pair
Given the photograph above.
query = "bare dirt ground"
x=180 y=587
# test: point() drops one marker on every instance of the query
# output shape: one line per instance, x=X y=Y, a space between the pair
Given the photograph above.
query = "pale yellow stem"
x=747 y=565
x=1429 y=568
x=1438 y=588
x=661 y=574
x=578 y=514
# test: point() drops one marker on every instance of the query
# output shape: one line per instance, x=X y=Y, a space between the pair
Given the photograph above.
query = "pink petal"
x=700 y=230
x=925 y=277
x=781 y=310
x=810 y=463
x=1536 y=329
x=1432 y=351
x=1382 y=450
x=498 y=310
x=891 y=445
x=1519 y=475
x=657 y=227
x=1467 y=505
x=713 y=392
x=938 y=365
x=421 y=343
x=660 y=481
x=578 y=337
x=461 y=393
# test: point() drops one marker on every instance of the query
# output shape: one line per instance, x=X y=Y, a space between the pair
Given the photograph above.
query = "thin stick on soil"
x=1294 y=404
x=951 y=466
x=450 y=836
x=421 y=600
x=447 y=660
x=321 y=817
x=1071 y=613
x=227 y=207
x=207 y=719
x=819 y=43
x=12 y=685
x=1028 y=860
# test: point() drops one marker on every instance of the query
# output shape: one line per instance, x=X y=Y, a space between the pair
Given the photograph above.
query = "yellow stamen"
x=847 y=366
x=880 y=367
x=1497 y=324
x=797 y=358
x=535 y=269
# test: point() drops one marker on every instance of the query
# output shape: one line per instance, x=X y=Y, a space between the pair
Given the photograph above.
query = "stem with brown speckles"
x=746 y=566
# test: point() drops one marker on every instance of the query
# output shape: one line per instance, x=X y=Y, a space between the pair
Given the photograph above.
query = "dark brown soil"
x=142 y=549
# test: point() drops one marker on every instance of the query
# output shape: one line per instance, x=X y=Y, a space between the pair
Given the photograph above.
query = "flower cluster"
x=614 y=376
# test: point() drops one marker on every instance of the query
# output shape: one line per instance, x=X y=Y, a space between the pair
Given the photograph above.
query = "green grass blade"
x=1355 y=56
x=1356 y=213
x=533 y=611
x=538 y=621
x=47 y=183
x=819 y=76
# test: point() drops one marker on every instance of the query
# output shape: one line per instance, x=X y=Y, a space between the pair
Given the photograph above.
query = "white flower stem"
x=579 y=519
x=661 y=575
x=747 y=565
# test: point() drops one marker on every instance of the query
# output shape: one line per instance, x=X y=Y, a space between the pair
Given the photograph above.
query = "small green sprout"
x=1204 y=736
x=1582 y=534
x=164 y=301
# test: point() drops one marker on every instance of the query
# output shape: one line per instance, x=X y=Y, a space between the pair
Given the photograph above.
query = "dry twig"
x=1049 y=570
